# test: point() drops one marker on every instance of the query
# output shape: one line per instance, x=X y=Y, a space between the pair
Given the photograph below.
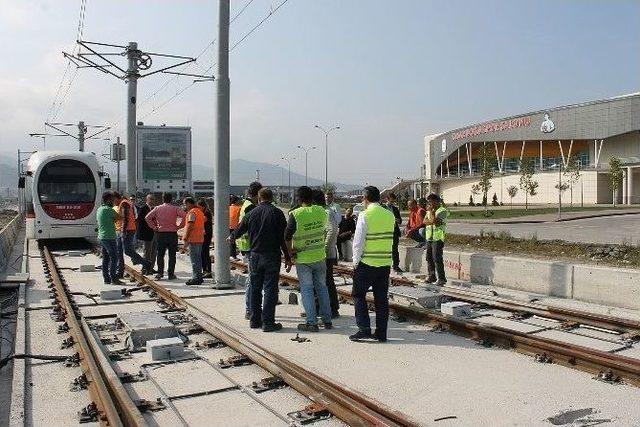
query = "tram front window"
x=66 y=181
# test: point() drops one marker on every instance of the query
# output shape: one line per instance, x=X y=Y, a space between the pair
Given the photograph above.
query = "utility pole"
x=133 y=55
x=286 y=159
x=221 y=150
x=82 y=131
x=119 y=158
x=258 y=175
x=137 y=60
x=326 y=152
x=306 y=162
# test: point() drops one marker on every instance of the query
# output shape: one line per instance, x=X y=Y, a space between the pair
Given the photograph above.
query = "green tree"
x=486 y=163
x=512 y=190
x=527 y=183
x=572 y=173
x=615 y=177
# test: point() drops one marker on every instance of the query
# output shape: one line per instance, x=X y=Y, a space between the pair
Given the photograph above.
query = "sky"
x=387 y=72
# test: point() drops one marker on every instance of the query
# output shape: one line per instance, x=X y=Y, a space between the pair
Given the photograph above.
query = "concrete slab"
x=633 y=352
x=597 y=333
x=511 y=325
x=610 y=286
x=187 y=377
x=431 y=366
x=570 y=338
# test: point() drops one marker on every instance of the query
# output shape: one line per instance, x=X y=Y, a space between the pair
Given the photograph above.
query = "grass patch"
x=503 y=243
x=516 y=212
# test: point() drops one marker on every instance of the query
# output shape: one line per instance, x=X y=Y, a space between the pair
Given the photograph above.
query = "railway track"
x=610 y=367
x=112 y=404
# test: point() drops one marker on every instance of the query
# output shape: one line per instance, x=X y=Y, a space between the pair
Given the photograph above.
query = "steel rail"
x=346 y=404
x=617 y=324
x=570 y=355
x=103 y=387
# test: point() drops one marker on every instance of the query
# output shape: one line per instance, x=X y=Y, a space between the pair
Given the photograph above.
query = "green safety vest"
x=379 y=239
x=437 y=232
x=242 y=243
x=308 y=240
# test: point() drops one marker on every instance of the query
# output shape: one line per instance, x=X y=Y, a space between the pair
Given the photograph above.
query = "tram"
x=62 y=192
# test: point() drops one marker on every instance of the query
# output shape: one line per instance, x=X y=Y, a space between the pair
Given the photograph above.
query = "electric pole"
x=221 y=150
x=326 y=152
x=81 y=137
x=137 y=60
x=82 y=131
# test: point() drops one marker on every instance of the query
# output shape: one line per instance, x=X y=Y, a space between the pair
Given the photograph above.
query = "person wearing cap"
x=435 y=221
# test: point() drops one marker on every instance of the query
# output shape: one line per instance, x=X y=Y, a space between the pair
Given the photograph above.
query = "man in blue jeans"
x=107 y=217
x=265 y=225
x=305 y=236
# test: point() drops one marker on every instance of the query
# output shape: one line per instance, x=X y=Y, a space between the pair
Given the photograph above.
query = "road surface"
x=612 y=229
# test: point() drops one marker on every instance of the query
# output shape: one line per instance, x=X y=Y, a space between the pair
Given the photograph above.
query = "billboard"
x=164 y=158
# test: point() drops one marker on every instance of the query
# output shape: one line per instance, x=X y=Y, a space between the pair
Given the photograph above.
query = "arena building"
x=593 y=132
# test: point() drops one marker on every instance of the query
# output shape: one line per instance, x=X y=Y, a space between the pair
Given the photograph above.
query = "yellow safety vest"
x=379 y=239
x=242 y=243
x=308 y=239
x=437 y=232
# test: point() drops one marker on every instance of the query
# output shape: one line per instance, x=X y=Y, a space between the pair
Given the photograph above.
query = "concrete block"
x=524 y=274
x=413 y=258
x=146 y=326
x=111 y=294
x=452 y=266
x=165 y=348
x=410 y=296
x=605 y=285
x=87 y=268
x=456 y=308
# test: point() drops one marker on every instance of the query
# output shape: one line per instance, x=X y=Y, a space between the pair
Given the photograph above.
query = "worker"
x=305 y=235
x=242 y=242
x=106 y=218
x=166 y=219
x=145 y=234
x=208 y=236
x=331 y=250
x=128 y=234
x=436 y=222
x=391 y=205
x=415 y=223
x=372 y=259
x=193 y=237
x=332 y=207
x=346 y=228
x=234 y=220
x=265 y=225
x=117 y=200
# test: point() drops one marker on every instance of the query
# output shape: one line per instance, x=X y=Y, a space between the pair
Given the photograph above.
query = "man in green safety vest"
x=435 y=221
x=372 y=259
x=305 y=237
x=242 y=243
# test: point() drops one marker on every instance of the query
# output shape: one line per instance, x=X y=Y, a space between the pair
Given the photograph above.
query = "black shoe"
x=397 y=270
x=172 y=277
x=257 y=325
x=380 y=337
x=441 y=282
x=361 y=335
x=247 y=315
x=431 y=279
x=158 y=276
x=272 y=328
x=107 y=282
x=207 y=276
x=192 y=282
x=307 y=327
x=327 y=325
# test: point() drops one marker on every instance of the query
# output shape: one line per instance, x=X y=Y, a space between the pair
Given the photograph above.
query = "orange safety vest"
x=234 y=216
x=131 y=216
x=196 y=233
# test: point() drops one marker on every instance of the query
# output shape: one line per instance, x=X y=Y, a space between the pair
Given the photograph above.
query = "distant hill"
x=244 y=171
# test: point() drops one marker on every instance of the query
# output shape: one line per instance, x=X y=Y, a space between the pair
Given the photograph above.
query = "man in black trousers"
x=265 y=225
x=391 y=205
x=372 y=247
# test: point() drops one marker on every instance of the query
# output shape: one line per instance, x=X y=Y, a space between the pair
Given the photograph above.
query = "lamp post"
x=326 y=152
x=306 y=161
x=288 y=160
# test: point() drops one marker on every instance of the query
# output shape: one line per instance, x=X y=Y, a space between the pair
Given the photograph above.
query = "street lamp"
x=288 y=160
x=326 y=152
x=306 y=161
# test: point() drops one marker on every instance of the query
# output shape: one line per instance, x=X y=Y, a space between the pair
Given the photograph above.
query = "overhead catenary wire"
x=208 y=69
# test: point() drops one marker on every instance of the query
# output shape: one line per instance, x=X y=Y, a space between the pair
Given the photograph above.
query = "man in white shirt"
x=333 y=208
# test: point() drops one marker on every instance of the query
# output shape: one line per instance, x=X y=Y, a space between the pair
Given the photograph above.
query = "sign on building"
x=164 y=159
